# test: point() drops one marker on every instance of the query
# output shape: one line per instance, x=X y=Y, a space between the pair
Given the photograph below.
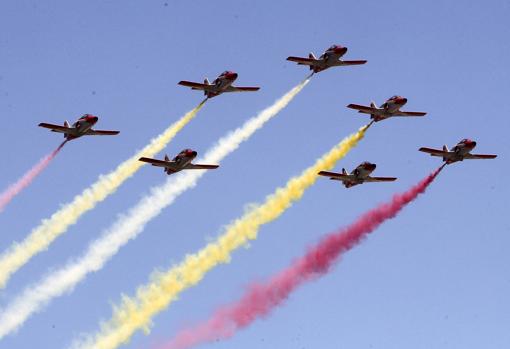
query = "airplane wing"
x=479 y=156
x=435 y=152
x=197 y=85
x=334 y=175
x=351 y=62
x=379 y=179
x=409 y=113
x=363 y=108
x=201 y=167
x=303 y=60
x=158 y=163
x=101 y=133
x=241 y=89
x=56 y=128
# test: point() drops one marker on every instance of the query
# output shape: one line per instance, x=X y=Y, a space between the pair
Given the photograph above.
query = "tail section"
x=373 y=105
x=166 y=170
x=311 y=56
x=206 y=82
x=66 y=124
x=445 y=149
x=344 y=171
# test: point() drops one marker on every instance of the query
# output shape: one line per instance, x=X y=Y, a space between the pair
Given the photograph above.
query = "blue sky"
x=436 y=276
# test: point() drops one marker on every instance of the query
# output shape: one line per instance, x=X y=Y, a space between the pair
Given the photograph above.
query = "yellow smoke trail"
x=164 y=288
x=49 y=229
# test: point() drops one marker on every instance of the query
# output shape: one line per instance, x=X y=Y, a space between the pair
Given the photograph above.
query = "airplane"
x=330 y=58
x=388 y=109
x=459 y=152
x=181 y=161
x=223 y=83
x=82 y=127
x=359 y=175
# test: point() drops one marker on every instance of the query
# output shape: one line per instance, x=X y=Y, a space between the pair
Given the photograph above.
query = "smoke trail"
x=128 y=226
x=261 y=298
x=28 y=177
x=151 y=299
x=49 y=229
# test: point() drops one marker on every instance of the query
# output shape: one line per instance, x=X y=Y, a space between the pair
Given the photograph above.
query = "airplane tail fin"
x=167 y=158
x=373 y=105
x=66 y=124
x=445 y=149
x=206 y=82
x=311 y=56
x=344 y=171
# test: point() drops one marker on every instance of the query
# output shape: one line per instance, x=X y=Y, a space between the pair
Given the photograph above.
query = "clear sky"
x=437 y=276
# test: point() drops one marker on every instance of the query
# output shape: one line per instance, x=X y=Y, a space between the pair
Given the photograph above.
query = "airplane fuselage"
x=183 y=159
x=389 y=108
x=330 y=58
x=82 y=126
x=221 y=83
x=459 y=151
x=359 y=174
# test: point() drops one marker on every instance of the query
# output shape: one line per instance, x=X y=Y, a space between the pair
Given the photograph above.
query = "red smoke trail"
x=261 y=298
x=27 y=178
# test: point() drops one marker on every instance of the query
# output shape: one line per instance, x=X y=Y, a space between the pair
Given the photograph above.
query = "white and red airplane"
x=330 y=58
x=181 y=161
x=388 y=109
x=223 y=83
x=459 y=152
x=82 y=127
x=359 y=175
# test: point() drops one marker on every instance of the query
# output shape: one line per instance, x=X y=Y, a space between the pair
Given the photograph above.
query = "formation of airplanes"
x=332 y=57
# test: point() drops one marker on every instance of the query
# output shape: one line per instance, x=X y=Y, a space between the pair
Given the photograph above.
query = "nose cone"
x=92 y=118
x=369 y=166
x=232 y=75
x=402 y=100
x=473 y=144
x=194 y=153
x=340 y=50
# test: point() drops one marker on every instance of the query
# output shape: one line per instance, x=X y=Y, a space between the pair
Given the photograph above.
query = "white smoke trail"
x=128 y=226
